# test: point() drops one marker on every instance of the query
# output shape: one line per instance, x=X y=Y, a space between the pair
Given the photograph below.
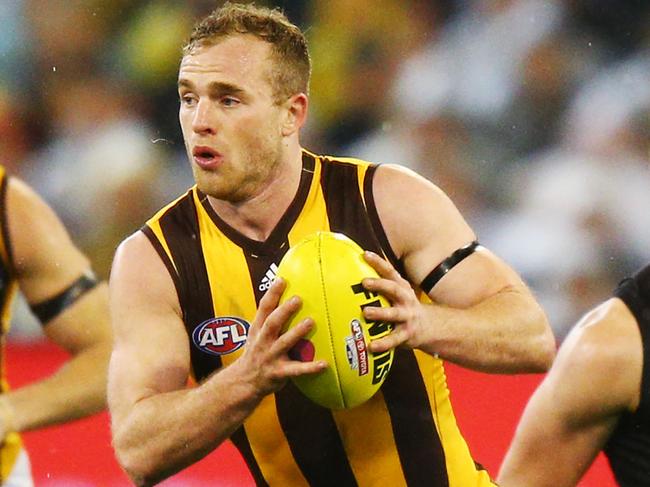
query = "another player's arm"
x=595 y=378
x=159 y=424
x=483 y=316
x=47 y=264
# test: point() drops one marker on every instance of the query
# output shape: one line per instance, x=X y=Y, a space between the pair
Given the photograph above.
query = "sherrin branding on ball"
x=326 y=269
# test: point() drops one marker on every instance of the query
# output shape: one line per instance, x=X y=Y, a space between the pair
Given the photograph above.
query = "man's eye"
x=229 y=101
x=188 y=100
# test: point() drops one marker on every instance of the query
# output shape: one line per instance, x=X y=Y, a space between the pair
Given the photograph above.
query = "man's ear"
x=296 y=114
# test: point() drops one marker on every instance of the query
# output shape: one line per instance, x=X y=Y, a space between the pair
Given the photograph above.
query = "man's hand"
x=266 y=353
x=405 y=311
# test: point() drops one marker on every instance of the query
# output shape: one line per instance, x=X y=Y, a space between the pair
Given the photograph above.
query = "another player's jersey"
x=628 y=449
x=406 y=435
x=8 y=286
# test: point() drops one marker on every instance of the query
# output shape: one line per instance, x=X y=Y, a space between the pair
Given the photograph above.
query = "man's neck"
x=257 y=216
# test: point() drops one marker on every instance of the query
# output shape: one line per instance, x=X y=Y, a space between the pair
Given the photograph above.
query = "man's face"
x=230 y=121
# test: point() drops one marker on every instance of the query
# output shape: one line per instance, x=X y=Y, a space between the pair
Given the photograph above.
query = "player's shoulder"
x=605 y=348
x=387 y=177
x=27 y=212
x=21 y=192
x=608 y=331
x=408 y=202
x=133 y=248
x=25 y=207
x=136 y=260
x=392 y=185
x=146 y=250
x=599 y=363
x=348 y=160
x=395 y=183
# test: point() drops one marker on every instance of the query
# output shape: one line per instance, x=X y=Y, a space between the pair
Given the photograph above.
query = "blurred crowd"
x=533 y=115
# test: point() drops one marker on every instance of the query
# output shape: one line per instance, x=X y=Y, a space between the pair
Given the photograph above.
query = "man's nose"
x=204 y=118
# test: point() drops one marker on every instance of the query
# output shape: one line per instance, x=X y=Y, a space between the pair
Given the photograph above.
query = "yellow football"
x=326 y=269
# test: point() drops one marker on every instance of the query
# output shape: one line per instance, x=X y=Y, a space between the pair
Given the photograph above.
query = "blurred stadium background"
x=533 y=115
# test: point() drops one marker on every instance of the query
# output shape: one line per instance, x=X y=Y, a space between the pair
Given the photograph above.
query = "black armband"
x=46 y=310
x=446 y=265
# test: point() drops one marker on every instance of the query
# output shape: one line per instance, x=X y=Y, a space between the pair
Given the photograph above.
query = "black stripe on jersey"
x=181 y=230
x=317 y=449
x=373 y=216
x=416 y=437
x=240 y=440
x=148 y=232
x=281 y=231
x=257 y=267
x=345 y=208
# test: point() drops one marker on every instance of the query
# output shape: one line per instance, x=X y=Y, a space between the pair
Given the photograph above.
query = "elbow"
x=543 y=346
x=546 y=355
x=551 y=351
x=138 y=480
x=138 y=466
x=140 y=473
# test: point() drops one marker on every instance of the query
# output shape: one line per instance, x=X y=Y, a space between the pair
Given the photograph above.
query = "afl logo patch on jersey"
x=221 y=336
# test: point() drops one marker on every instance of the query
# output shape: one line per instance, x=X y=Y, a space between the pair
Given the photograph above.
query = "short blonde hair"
x=290 y=54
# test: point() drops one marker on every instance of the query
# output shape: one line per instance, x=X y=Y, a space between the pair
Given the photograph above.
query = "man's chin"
x=206 y=181
x=209 y=189
x=216 y=191
x=213 y=185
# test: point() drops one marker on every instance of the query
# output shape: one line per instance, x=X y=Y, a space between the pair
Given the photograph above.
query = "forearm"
x=76 y=390
x=506 y=333
x=147 y=440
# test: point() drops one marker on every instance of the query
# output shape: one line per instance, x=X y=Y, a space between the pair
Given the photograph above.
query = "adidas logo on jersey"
x=268 y=278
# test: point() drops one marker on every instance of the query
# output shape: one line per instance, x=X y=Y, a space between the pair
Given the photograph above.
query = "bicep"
x=151 y=351
x=476 y=278
x=44 y=256
x=47 y=262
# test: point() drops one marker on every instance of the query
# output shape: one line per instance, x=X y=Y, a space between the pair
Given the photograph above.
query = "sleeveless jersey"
x=628 y=449
x=12 y=445
x=405 y=435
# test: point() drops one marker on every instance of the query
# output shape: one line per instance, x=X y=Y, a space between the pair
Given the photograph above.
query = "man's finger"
x=280 y=315
x=390 y=314
x=270 y=299
x=392 y=340
x=382 y=266
x=291 y=337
